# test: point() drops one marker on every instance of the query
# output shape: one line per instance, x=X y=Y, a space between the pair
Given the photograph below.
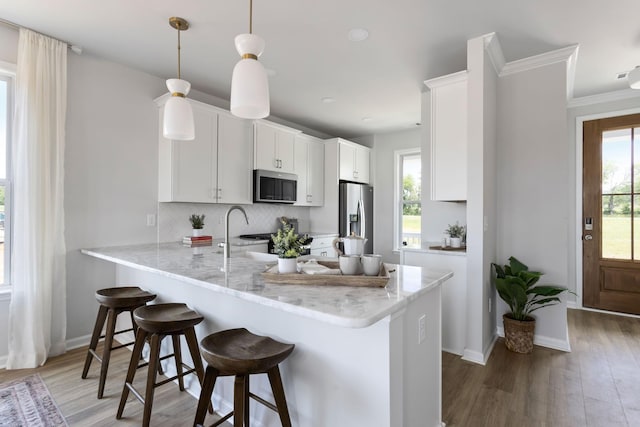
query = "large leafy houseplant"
x=516 y=285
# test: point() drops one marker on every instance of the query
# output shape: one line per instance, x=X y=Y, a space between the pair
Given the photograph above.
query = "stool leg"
x=238 y=400
x=210 y=377
x=141 y=337
x=106 y=352
x=278 y=393
x=246 y=400
x=192 y=342
x=95 y=337
x=154 y=357
x=178 y=358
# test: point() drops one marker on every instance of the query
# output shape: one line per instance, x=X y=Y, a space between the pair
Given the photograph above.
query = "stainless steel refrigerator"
x=356 y=212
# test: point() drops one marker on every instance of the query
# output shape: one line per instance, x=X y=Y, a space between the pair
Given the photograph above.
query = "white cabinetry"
x=309 y=166
x=354 y=161
x=274 y=147
x=216 y=167
x=449 y=137
x=454 y=293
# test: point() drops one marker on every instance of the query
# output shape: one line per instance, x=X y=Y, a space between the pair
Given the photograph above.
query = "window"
x=408 y=212
x=6 y=108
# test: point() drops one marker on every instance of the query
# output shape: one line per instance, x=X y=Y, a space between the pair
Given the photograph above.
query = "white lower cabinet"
x=454 y=294
x=216 y=167
x=309 y=166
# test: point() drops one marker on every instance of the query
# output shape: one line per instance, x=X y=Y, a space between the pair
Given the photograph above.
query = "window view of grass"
x=411 y=201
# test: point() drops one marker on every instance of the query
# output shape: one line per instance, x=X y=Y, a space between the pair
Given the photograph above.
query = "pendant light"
x=249 y=85
x=178 y=114
x=633 y=78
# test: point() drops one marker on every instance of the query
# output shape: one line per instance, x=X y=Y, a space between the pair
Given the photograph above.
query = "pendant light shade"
x=634 y=78
x=178 y=114
x=249 y=84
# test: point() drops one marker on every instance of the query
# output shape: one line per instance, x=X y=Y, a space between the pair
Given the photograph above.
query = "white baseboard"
x=78 y=342
x=478 y=357
x=544 y=341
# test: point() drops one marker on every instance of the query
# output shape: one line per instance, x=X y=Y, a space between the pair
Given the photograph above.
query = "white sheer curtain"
x=37 y=322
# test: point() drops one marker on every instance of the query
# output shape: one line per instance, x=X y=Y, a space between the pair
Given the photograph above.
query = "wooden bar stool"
x=239 y=352
x=155 y=322
x=113 y=301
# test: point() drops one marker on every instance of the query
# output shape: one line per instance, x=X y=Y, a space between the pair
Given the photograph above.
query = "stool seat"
x=166 y=319
x=155 y=322
x=113 y=301
x=122 y=297
x=239 y=352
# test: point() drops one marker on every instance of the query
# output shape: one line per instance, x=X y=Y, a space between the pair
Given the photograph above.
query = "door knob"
x=588 y=237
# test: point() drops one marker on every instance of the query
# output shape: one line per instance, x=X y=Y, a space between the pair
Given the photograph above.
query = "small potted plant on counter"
x=197 y=223
x=516 y=286
x=457 y=234
x=287 y=244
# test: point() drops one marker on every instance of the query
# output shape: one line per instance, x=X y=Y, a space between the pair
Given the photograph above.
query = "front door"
x=611 y=214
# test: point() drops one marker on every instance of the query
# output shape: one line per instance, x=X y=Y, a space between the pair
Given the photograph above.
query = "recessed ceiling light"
x=328 y=100
x=367 y=119
x=358 y=34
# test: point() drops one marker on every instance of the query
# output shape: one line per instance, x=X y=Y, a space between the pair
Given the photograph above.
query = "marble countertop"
x=438 y=251
x=345 y=306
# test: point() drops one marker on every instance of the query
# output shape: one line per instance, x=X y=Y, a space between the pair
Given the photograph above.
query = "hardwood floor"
x=77 y=398
x=597 y=384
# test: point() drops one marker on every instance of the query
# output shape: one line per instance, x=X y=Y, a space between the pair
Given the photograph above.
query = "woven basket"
x=518 y=334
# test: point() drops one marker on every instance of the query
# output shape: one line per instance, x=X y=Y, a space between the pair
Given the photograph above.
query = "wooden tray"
x=378 y=281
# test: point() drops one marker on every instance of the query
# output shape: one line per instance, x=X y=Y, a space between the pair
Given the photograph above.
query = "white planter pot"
x=287 y=265
x=197 y=232
x=456 y=242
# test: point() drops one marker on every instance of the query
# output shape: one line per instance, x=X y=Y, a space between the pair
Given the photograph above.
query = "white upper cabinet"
x=309 y=166
x=216 y=167
x=274 y=147
x=354 y=161
x=449 y=137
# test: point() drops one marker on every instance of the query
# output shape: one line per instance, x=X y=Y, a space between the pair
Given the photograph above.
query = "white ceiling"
x=307 y=46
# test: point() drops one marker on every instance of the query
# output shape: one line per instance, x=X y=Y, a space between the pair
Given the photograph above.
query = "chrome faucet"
x=226 y=229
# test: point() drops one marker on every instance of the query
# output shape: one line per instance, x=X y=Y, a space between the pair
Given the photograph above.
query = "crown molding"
x=446 y=80
x=564 y=54
x=602 y=98
x=494 y=50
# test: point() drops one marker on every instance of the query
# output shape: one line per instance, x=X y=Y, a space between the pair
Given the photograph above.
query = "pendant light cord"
x=250 y=16
x=178 y=51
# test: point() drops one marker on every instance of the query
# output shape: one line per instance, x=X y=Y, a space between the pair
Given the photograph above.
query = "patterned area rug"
x=26 y=402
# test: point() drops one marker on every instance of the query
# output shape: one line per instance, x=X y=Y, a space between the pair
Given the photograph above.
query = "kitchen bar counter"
x=341 y=305
x=364 y=356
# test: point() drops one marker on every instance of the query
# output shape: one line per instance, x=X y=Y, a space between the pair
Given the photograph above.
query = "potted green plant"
x=197 y=224
x=457 y=234
x=287 y=244
x=516 y=285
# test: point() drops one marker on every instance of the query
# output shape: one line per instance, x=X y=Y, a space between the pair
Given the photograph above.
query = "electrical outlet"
x=422 y=328
x=151 y=220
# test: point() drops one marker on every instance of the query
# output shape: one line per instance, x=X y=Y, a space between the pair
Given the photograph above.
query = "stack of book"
x=197 y=241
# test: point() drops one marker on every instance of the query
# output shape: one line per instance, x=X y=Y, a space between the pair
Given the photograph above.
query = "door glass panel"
x=636 y=227
x=411 y=201
x=616 y=161
x=616 y=227
x=3 y=129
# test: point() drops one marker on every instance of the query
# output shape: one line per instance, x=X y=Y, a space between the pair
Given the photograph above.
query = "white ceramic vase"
x=287 y=265
x=197 y=232
x=456 y=242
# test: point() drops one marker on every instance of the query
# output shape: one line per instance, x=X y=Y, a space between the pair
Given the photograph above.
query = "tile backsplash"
x=173 y=219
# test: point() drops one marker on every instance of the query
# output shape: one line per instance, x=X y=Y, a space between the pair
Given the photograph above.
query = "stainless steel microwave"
x=274 y=187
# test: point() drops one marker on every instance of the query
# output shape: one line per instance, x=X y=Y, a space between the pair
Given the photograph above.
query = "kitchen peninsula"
x=364 y=356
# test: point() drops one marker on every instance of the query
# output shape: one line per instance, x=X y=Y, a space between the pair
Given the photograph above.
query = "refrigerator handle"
x=363 y=221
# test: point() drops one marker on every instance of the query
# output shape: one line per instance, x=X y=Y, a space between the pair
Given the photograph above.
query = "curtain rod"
x=75 y=48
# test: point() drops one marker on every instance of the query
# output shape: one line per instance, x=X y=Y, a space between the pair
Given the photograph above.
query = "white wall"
x=533 y=183
x=382 y=162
